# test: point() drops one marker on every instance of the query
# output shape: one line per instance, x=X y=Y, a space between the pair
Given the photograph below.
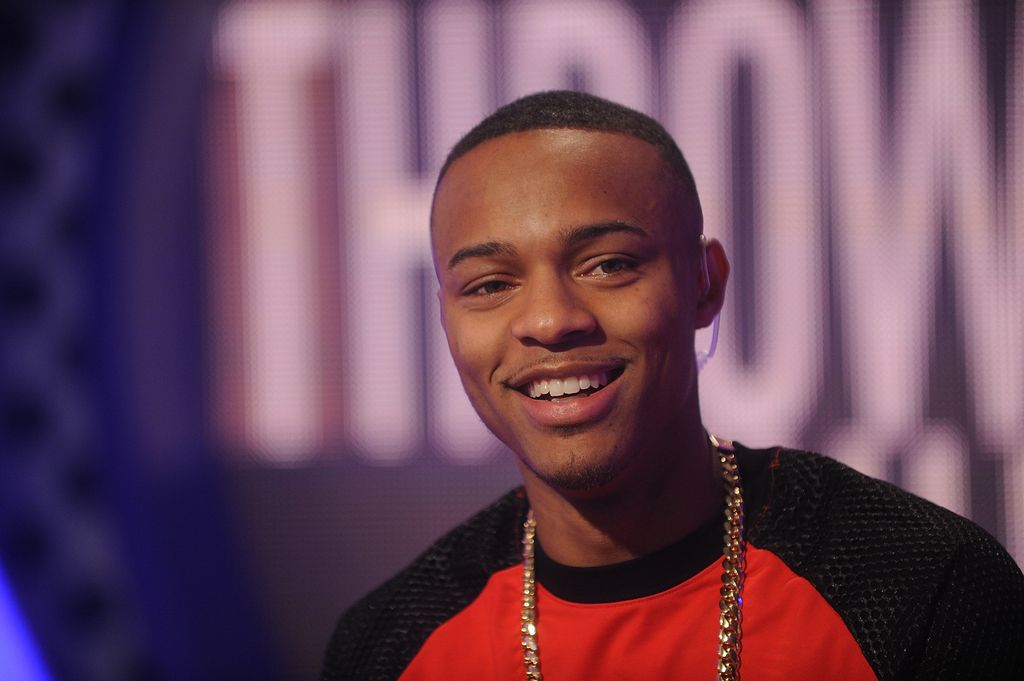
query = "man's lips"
x=553 y=406
x=555 y=375
x=555 y=388
x=564 y=387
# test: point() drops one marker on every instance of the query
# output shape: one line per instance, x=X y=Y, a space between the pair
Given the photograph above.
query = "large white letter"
x=271 y=50
x=386 y=233
x=457 y=59
x=768 y=401
x=890 y=239
x=847 y=38
x=549 y=39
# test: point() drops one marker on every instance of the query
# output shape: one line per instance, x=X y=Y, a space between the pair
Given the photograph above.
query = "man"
x=567 y=240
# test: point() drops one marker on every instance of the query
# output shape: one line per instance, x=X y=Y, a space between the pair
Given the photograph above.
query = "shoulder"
x=926 y=593
x=378 y=636
x=801 y=491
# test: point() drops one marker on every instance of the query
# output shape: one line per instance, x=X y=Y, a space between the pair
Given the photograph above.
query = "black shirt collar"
x=663 y=569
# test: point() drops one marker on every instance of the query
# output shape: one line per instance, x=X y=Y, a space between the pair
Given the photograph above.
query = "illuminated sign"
x=859 y=200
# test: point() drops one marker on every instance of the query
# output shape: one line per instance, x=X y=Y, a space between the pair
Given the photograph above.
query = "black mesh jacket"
x=925 y=593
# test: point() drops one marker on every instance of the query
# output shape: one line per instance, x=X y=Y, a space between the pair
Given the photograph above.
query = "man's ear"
x=711 y=286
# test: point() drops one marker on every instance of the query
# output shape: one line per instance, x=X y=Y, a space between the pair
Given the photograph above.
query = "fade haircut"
x=582 y=111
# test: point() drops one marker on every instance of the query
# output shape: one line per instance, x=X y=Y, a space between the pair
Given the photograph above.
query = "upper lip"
x=538 y=372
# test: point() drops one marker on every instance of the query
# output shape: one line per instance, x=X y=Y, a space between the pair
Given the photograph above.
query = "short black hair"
x=582 y=111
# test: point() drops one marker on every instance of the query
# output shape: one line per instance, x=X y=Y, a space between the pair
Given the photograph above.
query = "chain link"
x=730 y=632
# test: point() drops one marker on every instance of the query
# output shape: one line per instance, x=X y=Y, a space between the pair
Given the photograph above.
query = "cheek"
x=476 y=351
x=473 y=348
x=652 y=318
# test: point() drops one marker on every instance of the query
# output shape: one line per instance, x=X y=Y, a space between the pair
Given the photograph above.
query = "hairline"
x=681 y=176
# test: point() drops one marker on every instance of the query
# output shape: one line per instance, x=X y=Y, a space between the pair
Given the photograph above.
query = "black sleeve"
x=977 y=624
x=926 y=593
x=378 y=637
x=368 y=642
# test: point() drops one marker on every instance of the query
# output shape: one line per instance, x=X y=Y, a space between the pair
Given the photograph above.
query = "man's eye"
x=488 y=288
x=613 y=265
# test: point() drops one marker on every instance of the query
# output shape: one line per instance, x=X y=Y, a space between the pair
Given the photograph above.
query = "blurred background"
x=226 y=408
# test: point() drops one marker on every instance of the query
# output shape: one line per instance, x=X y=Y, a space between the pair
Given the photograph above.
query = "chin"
x=583 y=479
x=577 y=472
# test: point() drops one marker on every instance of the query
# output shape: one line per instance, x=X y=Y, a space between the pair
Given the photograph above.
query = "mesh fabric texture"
x=378 y=637
x=925 y=593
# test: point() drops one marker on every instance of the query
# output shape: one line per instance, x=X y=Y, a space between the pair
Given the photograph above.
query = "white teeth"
x=556 y=387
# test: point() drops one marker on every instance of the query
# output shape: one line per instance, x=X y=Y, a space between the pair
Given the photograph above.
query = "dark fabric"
x=378 y=637
x=926 y=594
x=636 y=578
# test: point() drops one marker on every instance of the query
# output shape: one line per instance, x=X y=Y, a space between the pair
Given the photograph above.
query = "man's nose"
x=553 y=312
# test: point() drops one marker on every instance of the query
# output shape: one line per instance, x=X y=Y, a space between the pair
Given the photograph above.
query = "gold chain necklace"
x=733 y=566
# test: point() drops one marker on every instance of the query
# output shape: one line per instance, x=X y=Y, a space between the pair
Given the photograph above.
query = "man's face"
x=568 y=295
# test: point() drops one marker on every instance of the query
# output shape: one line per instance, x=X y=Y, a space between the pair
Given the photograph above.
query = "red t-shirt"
x=847 y=578
x=790 y=633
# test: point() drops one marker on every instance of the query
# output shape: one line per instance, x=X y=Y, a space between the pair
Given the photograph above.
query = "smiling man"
x=568 y=244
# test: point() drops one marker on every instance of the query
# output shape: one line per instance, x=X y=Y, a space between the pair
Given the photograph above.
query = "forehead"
x=537 y=181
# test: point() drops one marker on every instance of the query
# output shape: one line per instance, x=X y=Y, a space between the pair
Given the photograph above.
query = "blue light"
x=19 y=658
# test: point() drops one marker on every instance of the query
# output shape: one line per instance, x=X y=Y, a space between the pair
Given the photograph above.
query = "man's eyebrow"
x=572 y=236
x=575 y=236
x=488 y=249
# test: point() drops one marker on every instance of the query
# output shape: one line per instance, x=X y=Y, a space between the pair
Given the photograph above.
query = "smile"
x=553 y=387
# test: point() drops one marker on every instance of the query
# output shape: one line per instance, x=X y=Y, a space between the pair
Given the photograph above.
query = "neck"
x=640 y=515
